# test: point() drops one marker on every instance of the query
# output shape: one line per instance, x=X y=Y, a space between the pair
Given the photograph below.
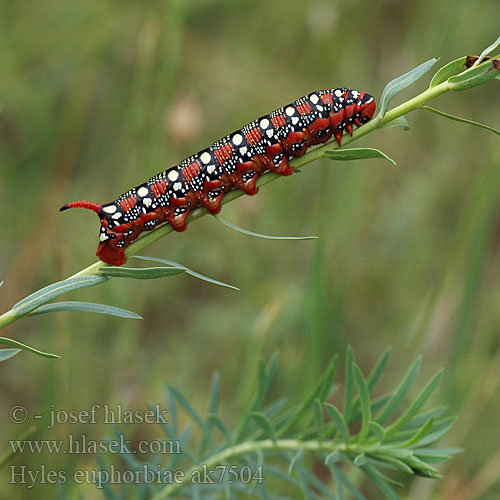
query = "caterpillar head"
x=113 y=238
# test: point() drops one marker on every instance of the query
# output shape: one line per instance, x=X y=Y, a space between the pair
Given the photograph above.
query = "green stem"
x=268 y=177
x=253 y=447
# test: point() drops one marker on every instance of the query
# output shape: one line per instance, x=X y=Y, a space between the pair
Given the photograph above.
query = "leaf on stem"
x=188 y=271
x=84 y=307
x=447 y=71
x=52 y=291
x=263 y=236
x=401 y=82
x=458 y=119
x=8 y=353
x=141 y=273
x=4 y=340
x=400 y=121
x=357 y=154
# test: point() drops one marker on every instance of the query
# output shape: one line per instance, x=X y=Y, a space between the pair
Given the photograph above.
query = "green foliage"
x=284 y=443
x=358 y=154
x=263 y=236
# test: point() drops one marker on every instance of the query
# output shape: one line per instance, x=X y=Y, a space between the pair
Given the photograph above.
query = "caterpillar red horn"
x=233 y=162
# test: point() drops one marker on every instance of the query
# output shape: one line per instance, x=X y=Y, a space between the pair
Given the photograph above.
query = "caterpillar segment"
x=233 y=162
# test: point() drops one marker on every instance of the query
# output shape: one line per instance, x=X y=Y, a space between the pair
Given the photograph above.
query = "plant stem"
x=315 y=154
x=253 y=447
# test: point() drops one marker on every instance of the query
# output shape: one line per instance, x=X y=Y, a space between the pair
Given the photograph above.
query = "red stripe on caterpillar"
x=234 y=162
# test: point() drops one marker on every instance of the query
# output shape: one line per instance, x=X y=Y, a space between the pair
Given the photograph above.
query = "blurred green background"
x=98 y=95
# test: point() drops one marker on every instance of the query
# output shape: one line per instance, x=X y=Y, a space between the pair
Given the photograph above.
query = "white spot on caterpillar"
x=369 y=100
x=147 y=202
x=338 y=93
x=319 y=107
x=178 y=185
x=103 y=237
x=243 y=150
x=270 y=132
x=314 y=98
x=117 y=215
x=237 y=139
x=205 y=157
x=173 y=175
x=295 y=120
x=355 y=93
x=142 y=192
x=264 y=123
x=290 y=111
x=110 y=210
x=211 y=169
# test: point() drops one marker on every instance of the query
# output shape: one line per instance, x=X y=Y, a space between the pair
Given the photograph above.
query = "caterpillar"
x=234 y=162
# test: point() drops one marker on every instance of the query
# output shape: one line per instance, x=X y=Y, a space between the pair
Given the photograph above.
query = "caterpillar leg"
x=213 y=192
x=245 y=177
x=277 y=160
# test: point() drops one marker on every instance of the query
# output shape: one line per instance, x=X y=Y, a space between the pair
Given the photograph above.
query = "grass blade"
x=357 y=154
x=141 y=273
x=52 y=291
x=462 y=120
x=188 y=271
x=4 y=340
x=263 y=236
x=84 y=307
x=401 y=82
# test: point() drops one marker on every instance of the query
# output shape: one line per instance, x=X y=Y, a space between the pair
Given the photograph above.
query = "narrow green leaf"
x=413 y=409
x=188 y=271
x=1 y=283
x=401 y=82
x=378 y=369
x=421 y=418
x=400 y=393
x=292 y=417
x=339 y=490
x=184 y=402
x=339 y=421
x=265 y=424
x=52 y=291
x=357 y=154
x=4 y=340
x=422 y=468
x=84 y=307
x=264 y=236
x=400 y=121
x=318 y=417
x=462 y=120
x=360 y=460
x=447 y=71
x=377 y=430
x=420 y=434
x=433 y=458
x=364 y=397
x=399 y=464
x=8 y=353
x=141 y=273
x=488 y=50
x=348 y=483
x=218 y=422
x=297 y=457
x=214 y=394
x=349 y=384
x=438 y=431
x=381 y=481
x=474 y=76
